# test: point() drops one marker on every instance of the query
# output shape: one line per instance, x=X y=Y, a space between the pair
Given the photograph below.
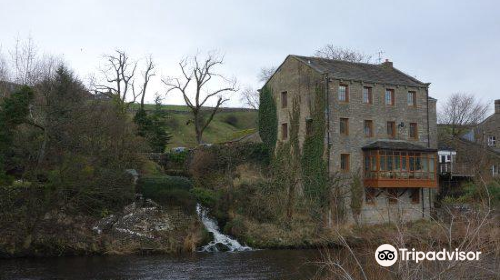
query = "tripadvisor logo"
x=387 y=255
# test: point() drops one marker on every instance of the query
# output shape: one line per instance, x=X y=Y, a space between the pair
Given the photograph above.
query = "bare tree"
x=4 y=74
x=27 y=67
x=250 y=97
x=196 y=74
x=119 y=79
x=266 y=73
x=339 y=53
x=147 y=74
x=462 y=110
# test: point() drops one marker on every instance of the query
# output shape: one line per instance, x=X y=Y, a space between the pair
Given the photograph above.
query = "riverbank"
x=142 y=227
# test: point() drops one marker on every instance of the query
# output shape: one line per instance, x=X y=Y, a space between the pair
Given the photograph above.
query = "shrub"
x=231 y=120
x=171 y=190
x=205 y=196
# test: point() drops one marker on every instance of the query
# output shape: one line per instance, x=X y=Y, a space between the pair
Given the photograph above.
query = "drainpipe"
x=428 y=128
x=428 y=145
x=327 y=80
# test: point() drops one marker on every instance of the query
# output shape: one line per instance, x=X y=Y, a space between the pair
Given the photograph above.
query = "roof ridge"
x=356 y=70
x=333 y=59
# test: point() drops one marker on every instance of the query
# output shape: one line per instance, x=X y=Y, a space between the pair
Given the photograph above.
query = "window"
x=344 y=126
x=399 y=165
x=343 y=93
x=389 y=97
x=391 y=129
x=393 y=196
x=309 y=127
x=412 y=99
x=443 y=159
x=367 y=95
x=368 y=128
x=370 y=195
x=492 y=141
x=495 y=170
x=415 y=196
x=344 y=162
x=284 y=131
x=413 y=131
x=284 y=100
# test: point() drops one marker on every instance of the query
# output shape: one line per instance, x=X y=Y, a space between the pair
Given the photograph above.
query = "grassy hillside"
x=228 y=124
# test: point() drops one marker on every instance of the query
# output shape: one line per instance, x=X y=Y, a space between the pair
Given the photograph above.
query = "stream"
x=221 y=241
x=223 y=258
x=250 y=265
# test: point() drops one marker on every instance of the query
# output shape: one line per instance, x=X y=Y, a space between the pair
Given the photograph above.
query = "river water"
x=261 y=264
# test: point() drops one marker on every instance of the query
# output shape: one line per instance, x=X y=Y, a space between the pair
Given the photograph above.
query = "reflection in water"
x=263 y=264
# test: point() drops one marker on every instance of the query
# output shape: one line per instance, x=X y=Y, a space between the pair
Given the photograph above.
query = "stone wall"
x=490 y=127
x=300 y=82
x=357 y=112
x=382 y=211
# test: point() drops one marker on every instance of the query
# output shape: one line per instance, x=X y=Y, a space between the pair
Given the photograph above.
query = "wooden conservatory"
x=399 y=164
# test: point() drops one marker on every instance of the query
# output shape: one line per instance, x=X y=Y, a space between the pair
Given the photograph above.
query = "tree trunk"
x=198 y=128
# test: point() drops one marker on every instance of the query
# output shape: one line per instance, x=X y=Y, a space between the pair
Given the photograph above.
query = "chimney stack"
x=497 y=106
x=387 y=63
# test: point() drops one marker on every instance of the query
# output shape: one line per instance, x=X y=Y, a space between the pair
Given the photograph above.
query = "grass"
x=220 y=130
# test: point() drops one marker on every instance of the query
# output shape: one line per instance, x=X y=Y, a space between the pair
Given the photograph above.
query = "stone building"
x=380 y=125
x=487 y=137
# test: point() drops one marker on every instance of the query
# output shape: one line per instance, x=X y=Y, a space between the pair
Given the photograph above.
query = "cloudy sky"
x=455 y=45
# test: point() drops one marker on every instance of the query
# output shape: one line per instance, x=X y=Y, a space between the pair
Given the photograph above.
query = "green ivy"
x=268 y=119
x=356 y=195
x=314 y=167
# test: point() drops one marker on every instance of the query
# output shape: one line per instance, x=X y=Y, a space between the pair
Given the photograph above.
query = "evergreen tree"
x=153 y=127
x=14 y=111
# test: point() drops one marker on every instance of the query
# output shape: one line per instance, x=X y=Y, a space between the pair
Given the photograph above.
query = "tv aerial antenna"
x=380 y=53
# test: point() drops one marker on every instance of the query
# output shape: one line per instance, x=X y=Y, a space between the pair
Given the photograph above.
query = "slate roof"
x=396 y=145
x=374 y=73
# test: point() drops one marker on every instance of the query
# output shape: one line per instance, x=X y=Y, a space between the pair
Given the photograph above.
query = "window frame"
x=370 y=196
x=346 y=132
x=413 y=98
x=415 y=196
x=399 y=165
x=392 y=195
x=284 y=131
x=370 y=122
x=346 y=100
x=284 y=99
x=415 y=137
x=393 y=125
x=346 y=159
x=393 y=101
x=370 y=95
x=309 y=127
x=492 y=141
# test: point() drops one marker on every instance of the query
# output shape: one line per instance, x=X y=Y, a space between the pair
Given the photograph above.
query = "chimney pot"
x=497 y=106
x=387 y=63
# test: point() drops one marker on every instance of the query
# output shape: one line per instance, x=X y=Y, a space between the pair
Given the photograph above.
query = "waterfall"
x=221 y=241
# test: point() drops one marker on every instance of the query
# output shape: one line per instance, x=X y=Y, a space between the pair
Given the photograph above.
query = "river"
x=260 y=264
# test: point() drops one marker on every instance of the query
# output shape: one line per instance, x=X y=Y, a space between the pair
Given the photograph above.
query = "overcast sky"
x=454 y=45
